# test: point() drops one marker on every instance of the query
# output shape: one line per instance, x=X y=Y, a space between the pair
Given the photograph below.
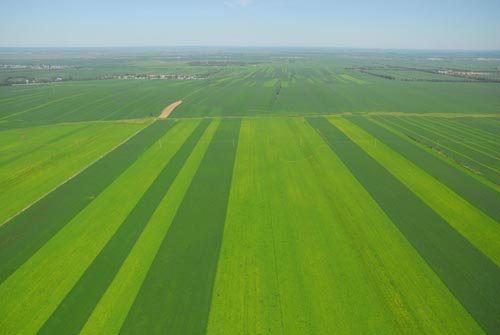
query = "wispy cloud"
x=237 y=3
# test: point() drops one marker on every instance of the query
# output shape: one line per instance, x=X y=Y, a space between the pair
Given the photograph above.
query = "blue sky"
x=415 y=24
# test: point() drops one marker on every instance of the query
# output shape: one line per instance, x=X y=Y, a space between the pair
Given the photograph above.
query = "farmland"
x=292 y=192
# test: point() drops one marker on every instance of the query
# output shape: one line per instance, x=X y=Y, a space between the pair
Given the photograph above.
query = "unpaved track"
x=169 y=109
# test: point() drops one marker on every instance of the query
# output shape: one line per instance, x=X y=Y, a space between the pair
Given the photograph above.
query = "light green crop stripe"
x=307 y=250
x=450 y=137
x=472 y=223
x=389 y=124
x=405 y=121
x=112 y=309
x=30 y=295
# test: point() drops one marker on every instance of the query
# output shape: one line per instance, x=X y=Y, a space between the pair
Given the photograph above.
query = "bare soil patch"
x=169 y=109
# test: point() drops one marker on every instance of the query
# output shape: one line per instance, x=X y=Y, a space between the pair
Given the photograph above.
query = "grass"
x=456 y=178
x=18 y=143
x=111 y=311
x=453 y=157
x=181 y=303
x=477 y=141
x=22 y=236
x=60 y=262
x=352 y=79
x=290 y=193
x=478 y=228
x=488 y=127
x=446 y=251
x=33 y=169
x=88 y=101
x=73 y=311
x=293 y=202
x=486 y=164
x=309 y=86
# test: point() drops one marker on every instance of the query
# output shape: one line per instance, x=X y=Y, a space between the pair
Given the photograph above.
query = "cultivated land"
x=292 y=192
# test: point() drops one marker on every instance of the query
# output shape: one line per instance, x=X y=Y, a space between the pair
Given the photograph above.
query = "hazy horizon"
x=250 y=47
x=361 y=24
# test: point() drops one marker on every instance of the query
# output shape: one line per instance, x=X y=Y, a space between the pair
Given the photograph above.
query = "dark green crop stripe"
x=21 y=237
x=73 y=312
x=454 y=149
x=475 y=192
x=472 y=277
x=176 y=295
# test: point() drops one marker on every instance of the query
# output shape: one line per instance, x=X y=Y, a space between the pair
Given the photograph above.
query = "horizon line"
x=250 y=47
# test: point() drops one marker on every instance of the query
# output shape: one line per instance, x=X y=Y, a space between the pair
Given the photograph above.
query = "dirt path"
x=169 y=109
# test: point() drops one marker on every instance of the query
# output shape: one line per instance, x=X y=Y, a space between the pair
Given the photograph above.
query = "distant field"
x=26 y=106
x=281 y=197
x=278 y=88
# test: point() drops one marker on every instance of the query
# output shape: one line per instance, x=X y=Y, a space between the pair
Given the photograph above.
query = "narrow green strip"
x=58 y=265
x=176 y=295
x=460 y=151
x=469 y=137
x=475 y=192
x=26 y=233
x=470 y=149
x=74 y=310
x=471 y=276
x=487 y=126
x=472 y=223
x=464 y=158
x=468 y=130
x=113 y=307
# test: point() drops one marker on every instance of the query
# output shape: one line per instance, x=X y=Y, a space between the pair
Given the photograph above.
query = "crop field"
x=280 y=197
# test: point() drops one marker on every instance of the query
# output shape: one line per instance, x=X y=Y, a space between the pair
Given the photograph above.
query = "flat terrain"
x=169 y=109
x=280 y=197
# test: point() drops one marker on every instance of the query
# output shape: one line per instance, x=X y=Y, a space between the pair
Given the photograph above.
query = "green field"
x=290 y=193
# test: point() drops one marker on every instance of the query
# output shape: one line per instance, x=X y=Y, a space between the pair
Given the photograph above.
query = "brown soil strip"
x=169 y=109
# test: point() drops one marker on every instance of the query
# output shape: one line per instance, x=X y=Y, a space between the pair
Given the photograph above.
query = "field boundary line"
x=394 y=130
x=73 y=176
x=470 y=128
x=424 y=181
x=342 y=114
x=452 y=138
x=414 y=132
x=484 y=142
x=401 y=128
x=472 y=278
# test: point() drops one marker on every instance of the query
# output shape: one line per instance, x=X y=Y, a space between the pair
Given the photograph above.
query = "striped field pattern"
x=367 y=224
